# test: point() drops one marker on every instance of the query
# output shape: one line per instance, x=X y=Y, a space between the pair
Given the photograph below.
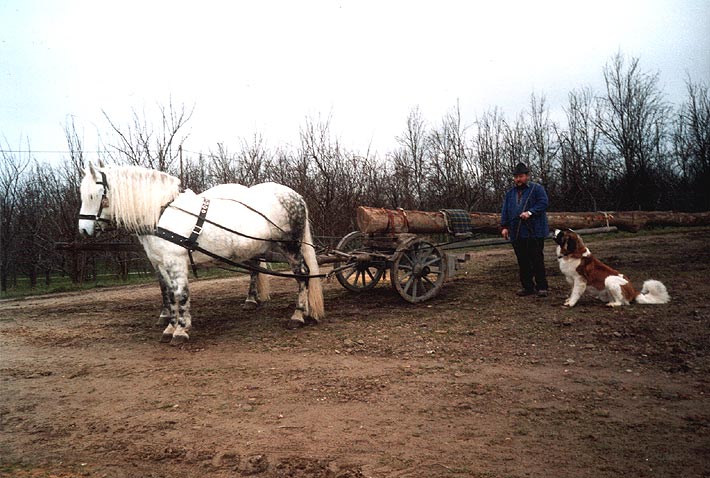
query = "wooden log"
x=631 y=221
x=379 y=220
x=375 y=219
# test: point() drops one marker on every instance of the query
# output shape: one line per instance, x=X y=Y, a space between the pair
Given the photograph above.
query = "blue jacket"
x=533 y=199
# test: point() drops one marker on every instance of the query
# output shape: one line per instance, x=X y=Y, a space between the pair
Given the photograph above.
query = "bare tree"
x=453 y=179
x=517 y=147
x=248 y=166
x=633 y=121
x=34 y=227
x=582 y=172
x=409 y=164
x=142 y=144
x=222 y=166
x=253 y=161
x=691 y=142
x=542 y=139
x=12 y=180
x=196 y=175
x=489 y=146
x=335 y=179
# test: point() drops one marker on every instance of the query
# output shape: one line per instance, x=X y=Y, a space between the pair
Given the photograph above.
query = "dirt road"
x=475 y=383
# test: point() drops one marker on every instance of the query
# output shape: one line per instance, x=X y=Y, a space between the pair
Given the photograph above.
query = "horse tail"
x=315 y=289
x=263 y=285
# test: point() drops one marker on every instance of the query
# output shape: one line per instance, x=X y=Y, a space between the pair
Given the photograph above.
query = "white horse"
x=266 y=217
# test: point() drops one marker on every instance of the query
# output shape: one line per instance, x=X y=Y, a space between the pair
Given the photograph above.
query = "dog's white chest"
x=568 y=266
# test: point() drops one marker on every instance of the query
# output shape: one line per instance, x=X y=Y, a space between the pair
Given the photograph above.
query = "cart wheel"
x=361 y=275
x=418 y=270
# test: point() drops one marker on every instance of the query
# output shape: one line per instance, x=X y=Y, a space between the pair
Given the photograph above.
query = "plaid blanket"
x=458 y=221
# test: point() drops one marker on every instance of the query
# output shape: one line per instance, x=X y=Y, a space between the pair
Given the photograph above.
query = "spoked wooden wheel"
x=360 y=275
x=418 y=270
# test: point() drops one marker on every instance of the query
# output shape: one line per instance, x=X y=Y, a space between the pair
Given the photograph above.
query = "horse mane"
x=137 y=196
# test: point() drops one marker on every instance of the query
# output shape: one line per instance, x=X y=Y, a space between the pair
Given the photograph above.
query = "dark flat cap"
x=521 y=168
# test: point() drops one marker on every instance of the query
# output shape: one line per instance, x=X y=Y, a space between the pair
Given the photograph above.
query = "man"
x=524 y=222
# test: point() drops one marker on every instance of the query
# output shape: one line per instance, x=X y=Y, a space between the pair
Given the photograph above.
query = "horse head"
x=94 y=213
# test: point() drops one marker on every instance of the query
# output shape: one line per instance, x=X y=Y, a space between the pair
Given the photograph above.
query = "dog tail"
x=653 y=292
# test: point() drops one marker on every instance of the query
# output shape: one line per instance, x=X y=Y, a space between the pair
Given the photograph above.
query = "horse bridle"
x=103 y=204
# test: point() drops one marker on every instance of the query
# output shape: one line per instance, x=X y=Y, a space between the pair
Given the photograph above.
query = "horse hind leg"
x=258 y=289
x=301 y=314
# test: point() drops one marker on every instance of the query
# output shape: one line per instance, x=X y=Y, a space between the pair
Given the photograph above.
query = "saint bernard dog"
x=586 y=272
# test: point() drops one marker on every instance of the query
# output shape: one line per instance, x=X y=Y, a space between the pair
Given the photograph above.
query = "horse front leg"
x=179 y=297
x=165 y=314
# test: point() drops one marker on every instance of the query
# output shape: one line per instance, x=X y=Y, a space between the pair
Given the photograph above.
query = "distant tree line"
x=623 y=148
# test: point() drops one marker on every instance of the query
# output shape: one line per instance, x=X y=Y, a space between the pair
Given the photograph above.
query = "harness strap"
x=190 y=243
x=197 y=230
x=179 y=240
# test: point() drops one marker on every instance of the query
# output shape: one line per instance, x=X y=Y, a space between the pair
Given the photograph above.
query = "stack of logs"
x=379 y=220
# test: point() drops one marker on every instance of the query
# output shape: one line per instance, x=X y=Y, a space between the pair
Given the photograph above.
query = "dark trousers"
x=531 y=262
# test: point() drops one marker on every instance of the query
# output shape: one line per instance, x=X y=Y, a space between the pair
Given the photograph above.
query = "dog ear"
x=558 y=236
x=571 y=245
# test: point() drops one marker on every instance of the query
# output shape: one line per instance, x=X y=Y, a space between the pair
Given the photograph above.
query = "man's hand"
x=504 y=233
x=525 y=215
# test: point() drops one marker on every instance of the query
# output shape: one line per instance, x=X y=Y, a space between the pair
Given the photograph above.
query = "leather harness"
x=191 y=243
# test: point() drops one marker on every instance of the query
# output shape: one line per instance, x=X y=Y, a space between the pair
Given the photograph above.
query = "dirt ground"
x=474 y=383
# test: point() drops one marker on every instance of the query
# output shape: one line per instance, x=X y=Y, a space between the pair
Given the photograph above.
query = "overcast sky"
x=264 y=66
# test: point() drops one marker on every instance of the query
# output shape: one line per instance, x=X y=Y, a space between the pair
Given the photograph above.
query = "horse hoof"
x=166 y=338
x=293 y=324
x=249 y=305
x=179 y=339
x=312 y=321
